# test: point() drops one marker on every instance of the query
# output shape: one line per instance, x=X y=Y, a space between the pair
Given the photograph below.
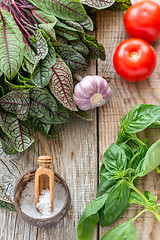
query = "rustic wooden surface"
x=78 y=152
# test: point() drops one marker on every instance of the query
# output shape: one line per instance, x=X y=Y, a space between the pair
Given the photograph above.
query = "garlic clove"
x=91 y=92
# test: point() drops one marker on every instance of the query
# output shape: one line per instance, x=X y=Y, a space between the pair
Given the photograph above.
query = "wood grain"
x=110 y=32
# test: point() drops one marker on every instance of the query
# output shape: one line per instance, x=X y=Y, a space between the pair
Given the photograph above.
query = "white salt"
x=27 y=201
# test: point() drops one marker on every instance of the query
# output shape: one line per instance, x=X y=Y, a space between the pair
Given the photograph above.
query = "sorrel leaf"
x=7 y=148
x=80 y=47
x=63 y=9
x=35 y=123
x=21 y=136
x=82 y=114
x=74 y=60
x=17 y=102
x=99 y=4
x=87 y=24
x=42 y=74
x=29 y=54
x=42 y=103
x=29 y=66
x=64 y=31
x=43 y=17
x=11 y=45
x=61 y=115
x=61 y=84
x=42 y=47
x=5 y=202
x=121 y=5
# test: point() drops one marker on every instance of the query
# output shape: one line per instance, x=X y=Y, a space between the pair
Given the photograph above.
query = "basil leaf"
x=115 y=158
x=124 y=231
x=135 y=198
x=90 y=218
x=150 y=161
x=140 y=117
x=150 y=197
x=105 y=185
x=116 y=202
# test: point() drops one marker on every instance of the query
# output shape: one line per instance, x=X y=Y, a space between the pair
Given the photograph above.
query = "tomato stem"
x=134 y=55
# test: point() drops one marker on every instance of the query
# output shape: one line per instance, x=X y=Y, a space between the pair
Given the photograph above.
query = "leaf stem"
x=156 y=214
x=133 y=219
x=137 y=191
x=16 y=7
x=133 y=158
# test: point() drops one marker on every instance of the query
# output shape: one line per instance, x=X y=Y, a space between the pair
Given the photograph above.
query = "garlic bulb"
x=91 y=92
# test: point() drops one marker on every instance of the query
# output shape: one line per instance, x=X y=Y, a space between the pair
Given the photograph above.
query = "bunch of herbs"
x=123 y=162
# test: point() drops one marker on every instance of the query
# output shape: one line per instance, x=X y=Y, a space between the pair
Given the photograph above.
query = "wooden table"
x=78 y=152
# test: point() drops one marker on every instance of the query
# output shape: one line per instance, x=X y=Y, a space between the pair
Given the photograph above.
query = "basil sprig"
x=123 y=163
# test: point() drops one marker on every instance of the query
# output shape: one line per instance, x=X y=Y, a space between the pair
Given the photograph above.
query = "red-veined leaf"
x=99 y=4
x=17 y=102
x=11 y=45
x=61 y=84
x=21 y=136
x=63 y=9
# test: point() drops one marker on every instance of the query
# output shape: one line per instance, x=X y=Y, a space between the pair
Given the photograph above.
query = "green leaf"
x=21 y=136
x=11 y=45
x=63 y=9
x=150 y=197
x=124 y=231
x=61 y=84
x=61 y=115
x=82 y=114
x=121 y=5
x=66 y=31
x=105 y=184
x=115 y=204
x=150 y=161
x=74 y=60
x=87 y=24
x=53 y=132
x=17 y=102
x=29 y=53
x=5 y=201
x=90 y=218
x=98 y=4
x=80 y=47
x=43 y=17
x=135 y=198
x=115 y=158
x=41 y=46
x=36 y=124
x=29 y=66
x=140 y=117
x=43 y=104
x=41 y=75
x=7 y=149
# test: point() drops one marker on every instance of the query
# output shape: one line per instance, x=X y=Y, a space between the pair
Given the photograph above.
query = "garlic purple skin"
x=91 y=92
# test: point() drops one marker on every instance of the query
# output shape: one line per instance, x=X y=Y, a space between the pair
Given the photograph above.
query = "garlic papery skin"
x=91 y=92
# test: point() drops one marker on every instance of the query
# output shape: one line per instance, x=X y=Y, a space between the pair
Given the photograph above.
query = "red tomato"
x=134 y=59
x=142 y=20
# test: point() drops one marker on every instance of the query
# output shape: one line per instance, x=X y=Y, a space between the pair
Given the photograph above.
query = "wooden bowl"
x=45 y=222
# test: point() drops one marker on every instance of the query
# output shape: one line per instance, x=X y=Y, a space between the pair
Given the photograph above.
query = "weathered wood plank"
x=110 y=32
x=75 y=159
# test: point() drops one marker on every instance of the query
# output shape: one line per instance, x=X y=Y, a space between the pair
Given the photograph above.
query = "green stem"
x=138 y=140
x=156 y=214
x=133 y=158
x=137 y=191
x=145 y=210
